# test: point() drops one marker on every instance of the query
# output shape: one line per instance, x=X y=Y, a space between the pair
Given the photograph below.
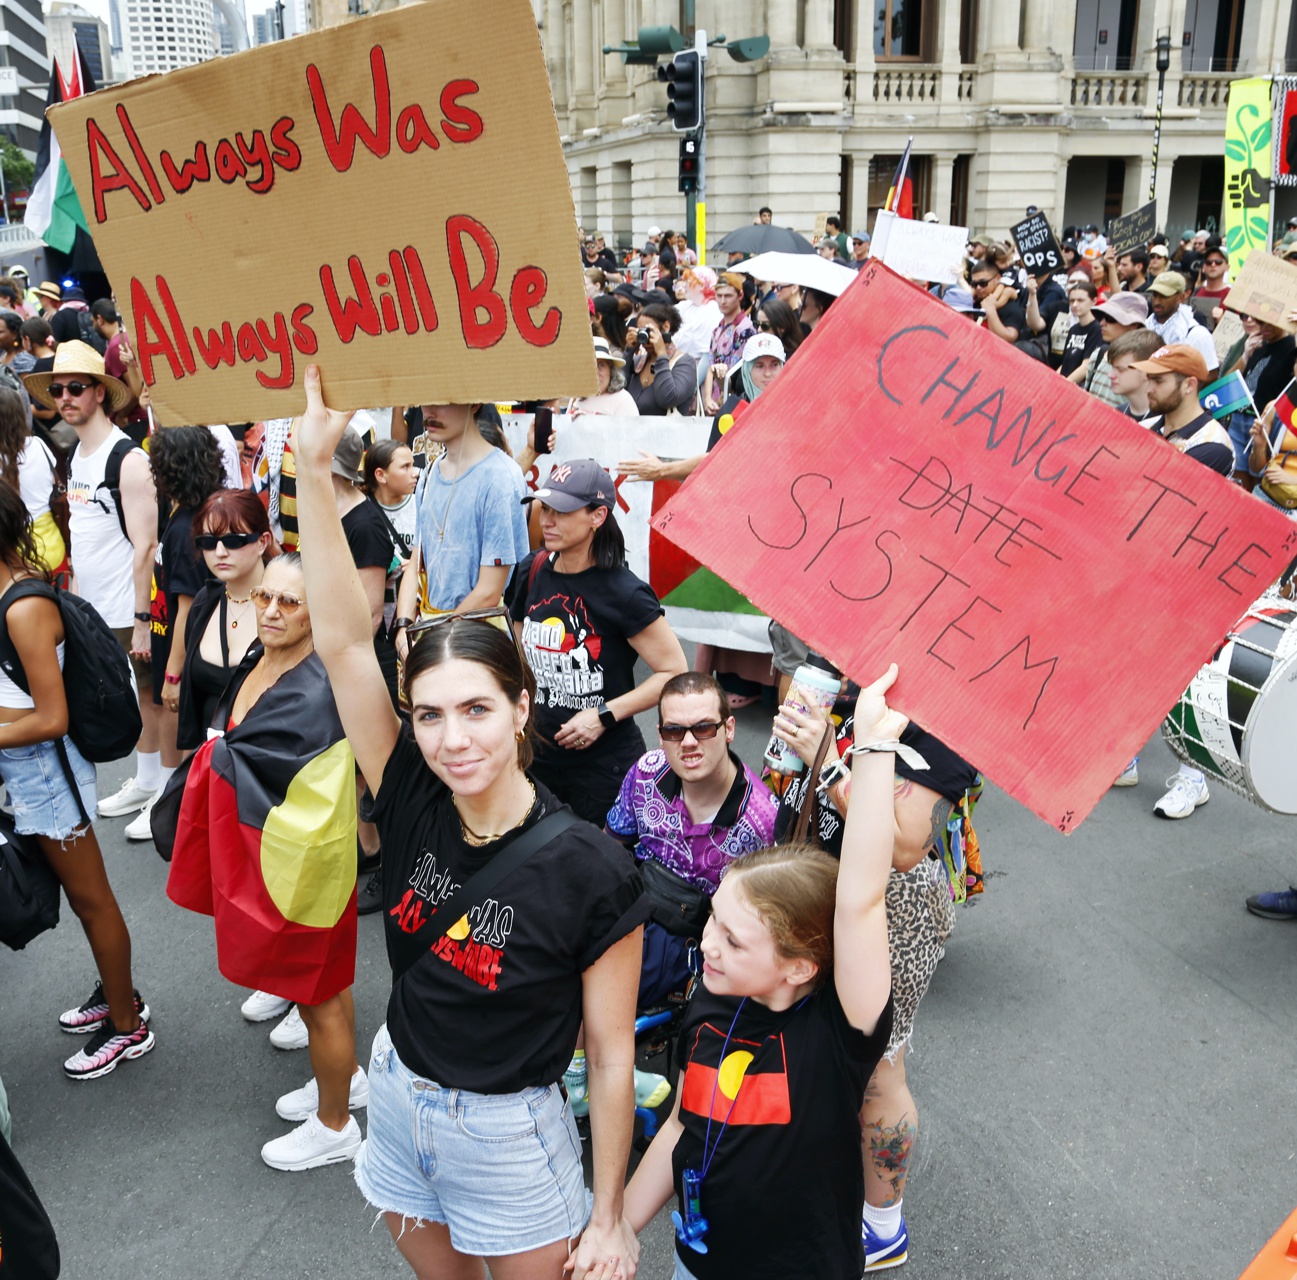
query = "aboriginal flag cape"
x=266 y=841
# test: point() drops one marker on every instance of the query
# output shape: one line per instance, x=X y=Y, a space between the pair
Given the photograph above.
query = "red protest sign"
x=1048 y=574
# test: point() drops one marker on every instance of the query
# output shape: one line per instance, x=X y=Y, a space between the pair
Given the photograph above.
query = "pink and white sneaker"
x=107 y=1049
x=93 y=1015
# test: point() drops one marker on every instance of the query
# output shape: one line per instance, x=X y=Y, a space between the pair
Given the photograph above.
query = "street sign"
x=8 y=82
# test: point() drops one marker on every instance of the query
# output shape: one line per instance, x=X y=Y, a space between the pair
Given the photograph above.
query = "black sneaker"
x=107 y=1049
x=93 y=1015
x=370 y=897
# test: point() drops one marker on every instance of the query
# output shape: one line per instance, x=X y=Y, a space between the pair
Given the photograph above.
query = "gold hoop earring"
x=520 y=737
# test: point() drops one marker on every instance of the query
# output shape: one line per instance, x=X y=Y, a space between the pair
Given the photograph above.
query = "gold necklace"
x=477 y=839
x=234 y=622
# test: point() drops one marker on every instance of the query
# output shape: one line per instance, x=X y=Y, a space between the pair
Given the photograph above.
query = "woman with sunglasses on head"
x=266 y=844
x=583 y=618
x=488 y=993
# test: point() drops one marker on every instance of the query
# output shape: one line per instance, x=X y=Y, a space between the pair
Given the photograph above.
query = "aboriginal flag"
x=266 y=841
x=1285 y=408
x=749 y=1085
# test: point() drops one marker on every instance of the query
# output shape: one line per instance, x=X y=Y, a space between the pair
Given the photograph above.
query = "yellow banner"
x=1247 y=170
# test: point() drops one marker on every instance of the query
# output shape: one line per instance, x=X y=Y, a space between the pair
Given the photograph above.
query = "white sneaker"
x=291 y=1033
x=261 y=1006
x=132 y=796
x=1129 y=776
x=138 y=828
x=1182 y=798
x=304 y=1101
x=311 y=1145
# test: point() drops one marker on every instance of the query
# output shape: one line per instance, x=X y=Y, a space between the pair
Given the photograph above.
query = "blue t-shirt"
x=474 y=520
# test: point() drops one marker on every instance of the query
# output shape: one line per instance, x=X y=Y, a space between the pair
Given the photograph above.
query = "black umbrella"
x=761 y=237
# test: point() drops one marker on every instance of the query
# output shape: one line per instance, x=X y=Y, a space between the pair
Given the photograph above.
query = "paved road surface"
x=1103 y=1067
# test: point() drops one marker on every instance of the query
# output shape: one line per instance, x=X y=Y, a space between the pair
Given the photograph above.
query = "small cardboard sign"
x=1266 y=289
x=1133 y=230
x=1229 y=330
x=1037 y=246
x=921 y=251
x=353 y=197
x=821 y=226
x=1048 y=575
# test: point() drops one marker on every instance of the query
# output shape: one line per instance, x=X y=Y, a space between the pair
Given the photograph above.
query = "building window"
x=882 y=169
x=1104 y=39
x=967 y=33
x=960 y=185
x=1213 y=33
x=900 y=29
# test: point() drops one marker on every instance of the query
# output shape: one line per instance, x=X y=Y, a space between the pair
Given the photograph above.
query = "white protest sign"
x=928 y=251
x=699 y=606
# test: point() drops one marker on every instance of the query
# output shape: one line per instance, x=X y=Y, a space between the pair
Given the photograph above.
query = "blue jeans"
x=43 y=800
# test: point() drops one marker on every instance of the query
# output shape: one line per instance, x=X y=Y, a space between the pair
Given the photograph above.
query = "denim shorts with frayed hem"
x=502 y=1171
x=42 y=798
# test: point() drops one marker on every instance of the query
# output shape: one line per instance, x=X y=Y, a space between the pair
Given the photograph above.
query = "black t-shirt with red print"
x=783 y=1190
x=576 y=630
x=496 y=1008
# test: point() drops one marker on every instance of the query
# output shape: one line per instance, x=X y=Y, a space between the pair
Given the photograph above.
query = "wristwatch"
x=607 y=717
x=170 y=679
x=143 y=617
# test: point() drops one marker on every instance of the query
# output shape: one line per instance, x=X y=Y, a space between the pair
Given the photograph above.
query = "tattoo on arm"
x=941 y=812
x=902 y=788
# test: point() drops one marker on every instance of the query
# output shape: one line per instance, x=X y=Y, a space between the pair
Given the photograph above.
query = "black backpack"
x=29 y=889
x=89 y=334
x=112 y=481
x=103 y=705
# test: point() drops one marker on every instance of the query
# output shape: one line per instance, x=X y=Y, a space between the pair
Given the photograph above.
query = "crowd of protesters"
x=451 y=744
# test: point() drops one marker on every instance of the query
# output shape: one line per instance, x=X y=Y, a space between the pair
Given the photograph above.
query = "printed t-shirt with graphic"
x=369 y=537
x=651 y=810
x=473 y=520
x=1081 y=340
x=492 y=1006
x=784 y=1182
x=576 y=630
x=947 y=774
x=1211 y=443
x=401 y=520
x=102 y=555
x=178 y=570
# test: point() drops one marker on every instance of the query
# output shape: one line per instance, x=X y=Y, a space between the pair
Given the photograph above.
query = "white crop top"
x=12 y=698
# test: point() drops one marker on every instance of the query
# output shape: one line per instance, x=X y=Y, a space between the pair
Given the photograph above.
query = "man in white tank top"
x=111 y=569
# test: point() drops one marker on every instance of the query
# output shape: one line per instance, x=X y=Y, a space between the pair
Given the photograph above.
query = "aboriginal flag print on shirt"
x=266 y=841
x=782 y=1193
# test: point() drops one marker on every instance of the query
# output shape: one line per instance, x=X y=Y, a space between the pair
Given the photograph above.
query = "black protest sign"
x=1133 y=230
x=1037 y=247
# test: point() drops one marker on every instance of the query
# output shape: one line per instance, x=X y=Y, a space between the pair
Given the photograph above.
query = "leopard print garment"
x=920 y=917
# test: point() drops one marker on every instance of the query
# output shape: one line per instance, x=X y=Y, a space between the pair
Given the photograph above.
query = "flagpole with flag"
x=900 y=196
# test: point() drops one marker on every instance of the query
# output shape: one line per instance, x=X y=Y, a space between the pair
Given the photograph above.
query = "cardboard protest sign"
x=1037 y=246
x=1133 y=230
x=928 y=251
x=1266 y=288
x=1047 y=574
x=1229 y=330
x=386 y=198
x=700 y=607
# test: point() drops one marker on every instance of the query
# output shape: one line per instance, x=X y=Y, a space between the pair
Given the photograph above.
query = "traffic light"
x=683 y=76
x=688 y=182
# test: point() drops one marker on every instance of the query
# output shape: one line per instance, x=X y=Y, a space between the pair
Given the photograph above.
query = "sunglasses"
x=288 y=604
x=703 y=731
x=420 y=629
x=765 y=326
x=1214 y=262
x=231 y=541
x=72 y=388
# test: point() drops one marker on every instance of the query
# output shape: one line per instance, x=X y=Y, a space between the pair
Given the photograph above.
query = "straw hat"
x=602 y=351
x=70 y=360
x=48 y=289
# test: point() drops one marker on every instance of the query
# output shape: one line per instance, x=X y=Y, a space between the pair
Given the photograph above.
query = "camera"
x=645 y=336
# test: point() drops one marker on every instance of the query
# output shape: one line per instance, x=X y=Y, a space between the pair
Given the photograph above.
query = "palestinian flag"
x=53 y=210
x=266 y=841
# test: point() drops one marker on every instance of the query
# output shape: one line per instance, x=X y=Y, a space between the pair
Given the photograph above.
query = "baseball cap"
x=1179 y=357
x=655 y=233
x=1159 y=250
x=1124 y=308
x=573 y=485
x=763 y=344
x=1292 y=222
x=1167 y=283
x=649 y=247
x=347 y=456
x=860 y=235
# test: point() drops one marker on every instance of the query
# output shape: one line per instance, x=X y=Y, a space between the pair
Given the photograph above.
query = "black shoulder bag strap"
x=504 y=864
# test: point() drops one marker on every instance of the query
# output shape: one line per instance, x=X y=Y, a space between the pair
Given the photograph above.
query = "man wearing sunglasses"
x=113 y=522
x=688 y=808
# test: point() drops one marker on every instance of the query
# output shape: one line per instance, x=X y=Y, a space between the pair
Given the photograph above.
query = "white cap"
x=763 y=344
x=655 y=233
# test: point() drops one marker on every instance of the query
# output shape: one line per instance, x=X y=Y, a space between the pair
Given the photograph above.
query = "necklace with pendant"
x=234 y=622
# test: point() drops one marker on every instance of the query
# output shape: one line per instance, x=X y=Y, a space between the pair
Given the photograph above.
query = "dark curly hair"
x=186 y=465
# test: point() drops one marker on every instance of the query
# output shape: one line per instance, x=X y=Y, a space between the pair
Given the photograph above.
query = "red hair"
x=236 y=511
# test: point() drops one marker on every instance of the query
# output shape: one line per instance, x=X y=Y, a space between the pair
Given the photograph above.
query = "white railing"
x=17 y=235
x=1207 y=93
x=1102 y=90
x=918 y=84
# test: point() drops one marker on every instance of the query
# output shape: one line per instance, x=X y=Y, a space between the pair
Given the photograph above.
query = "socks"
x=884 y=1223
x=148 y=769
x=164 y=775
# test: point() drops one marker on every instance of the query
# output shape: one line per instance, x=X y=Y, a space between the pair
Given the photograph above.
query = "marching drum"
x=1237 y=721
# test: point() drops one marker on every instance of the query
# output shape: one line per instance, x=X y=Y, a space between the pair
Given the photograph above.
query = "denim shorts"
x=502 y=1171
x=40 y=793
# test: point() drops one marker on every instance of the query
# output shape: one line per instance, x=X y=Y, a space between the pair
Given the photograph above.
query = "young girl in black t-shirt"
x=763 y=1148
x=469 y=1135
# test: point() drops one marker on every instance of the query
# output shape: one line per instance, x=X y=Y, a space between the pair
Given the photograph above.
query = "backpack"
x=89 y=334
x=112 y=480
x=29 y=889
x=103 y=704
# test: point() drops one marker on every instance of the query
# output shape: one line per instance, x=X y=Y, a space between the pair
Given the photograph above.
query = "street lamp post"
x=1163 y=63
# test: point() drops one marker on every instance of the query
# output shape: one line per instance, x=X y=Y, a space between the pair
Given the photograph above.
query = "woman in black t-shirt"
x=763 y=1147
x=484 y=1010
x=583 y=617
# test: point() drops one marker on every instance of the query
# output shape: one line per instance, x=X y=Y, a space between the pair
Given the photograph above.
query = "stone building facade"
x=1044 y=102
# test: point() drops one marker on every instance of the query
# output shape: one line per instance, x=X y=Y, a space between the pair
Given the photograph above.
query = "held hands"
x=317 y=432
x=803 y=731
x=604 y=1253
x=875 y=720
x=579 y=732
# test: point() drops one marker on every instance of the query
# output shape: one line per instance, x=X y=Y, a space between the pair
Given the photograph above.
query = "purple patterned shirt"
x=729 y=337
x=651 y=810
